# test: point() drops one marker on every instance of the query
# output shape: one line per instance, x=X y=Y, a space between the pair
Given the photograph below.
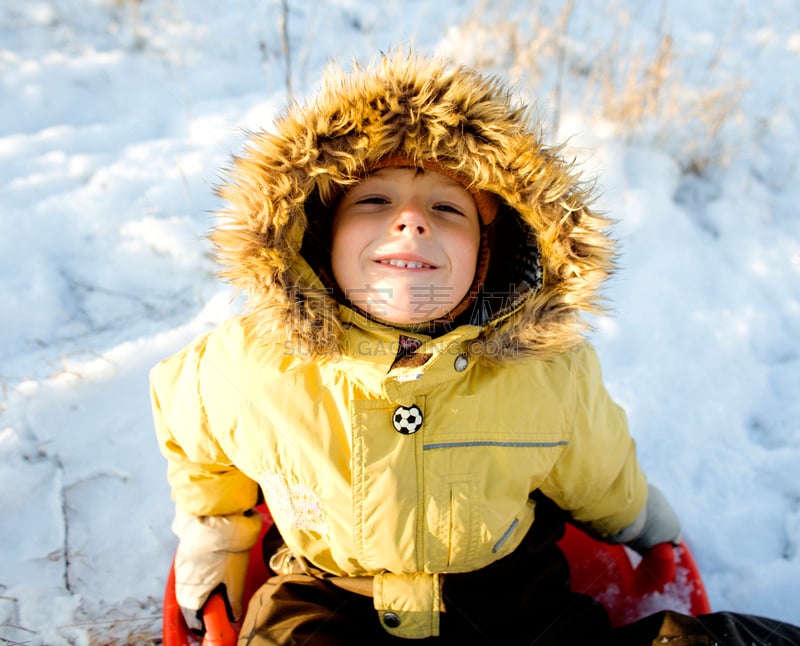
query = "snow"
x=115 y=118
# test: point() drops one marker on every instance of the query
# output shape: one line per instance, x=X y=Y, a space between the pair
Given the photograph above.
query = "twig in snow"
x=65 y=522
x=283 y=23
x=562 y=50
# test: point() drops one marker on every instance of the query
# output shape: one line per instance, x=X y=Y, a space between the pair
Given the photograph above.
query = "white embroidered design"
x=298 y=503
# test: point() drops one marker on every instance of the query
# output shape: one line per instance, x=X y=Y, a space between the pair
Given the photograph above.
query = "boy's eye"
x=372 y=199
x=449 y=208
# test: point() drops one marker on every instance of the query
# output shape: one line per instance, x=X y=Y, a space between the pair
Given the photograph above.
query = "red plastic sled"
x=628 y=586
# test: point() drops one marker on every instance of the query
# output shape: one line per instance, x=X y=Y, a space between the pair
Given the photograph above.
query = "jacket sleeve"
x=203 y=479
x=597 y=479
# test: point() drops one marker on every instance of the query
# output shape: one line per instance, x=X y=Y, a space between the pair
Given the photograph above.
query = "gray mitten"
x=656 y=523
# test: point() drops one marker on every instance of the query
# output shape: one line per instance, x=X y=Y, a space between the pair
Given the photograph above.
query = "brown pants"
x=295 y=609
x=520 y=600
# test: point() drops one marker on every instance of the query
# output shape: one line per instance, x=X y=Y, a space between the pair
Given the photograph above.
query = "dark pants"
x=520 y=600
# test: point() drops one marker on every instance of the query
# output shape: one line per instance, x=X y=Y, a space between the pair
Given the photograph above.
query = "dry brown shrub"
x=625 y=80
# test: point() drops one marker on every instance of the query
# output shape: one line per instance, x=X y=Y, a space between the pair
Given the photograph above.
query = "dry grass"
x=130 y=639
x=646 y=95
x=640 y=88
x=118 y=627
x=117 y=635
x=99 y=633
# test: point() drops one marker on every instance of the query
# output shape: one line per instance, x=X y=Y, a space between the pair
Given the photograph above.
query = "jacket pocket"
x=453 y=524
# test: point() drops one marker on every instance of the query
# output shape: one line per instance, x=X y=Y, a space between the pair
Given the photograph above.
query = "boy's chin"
x=418 y=314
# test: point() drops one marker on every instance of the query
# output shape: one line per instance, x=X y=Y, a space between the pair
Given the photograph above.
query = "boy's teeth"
x=406 y=264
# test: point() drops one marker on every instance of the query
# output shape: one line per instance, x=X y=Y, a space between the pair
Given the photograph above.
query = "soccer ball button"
x=407 y=420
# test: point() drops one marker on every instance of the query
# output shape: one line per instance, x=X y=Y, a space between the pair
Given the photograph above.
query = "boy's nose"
x=411 y=219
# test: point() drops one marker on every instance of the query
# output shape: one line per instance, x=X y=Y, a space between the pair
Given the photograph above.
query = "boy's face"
x=405 y=244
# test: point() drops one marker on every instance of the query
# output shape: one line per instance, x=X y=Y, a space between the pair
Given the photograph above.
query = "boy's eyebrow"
x=384 y=169
x=417 y=171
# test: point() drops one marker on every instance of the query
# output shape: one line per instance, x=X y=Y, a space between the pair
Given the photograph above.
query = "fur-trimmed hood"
x=550 y=251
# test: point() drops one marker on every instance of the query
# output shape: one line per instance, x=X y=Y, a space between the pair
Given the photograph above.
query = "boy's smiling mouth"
x=406 y=264
x=403 y=261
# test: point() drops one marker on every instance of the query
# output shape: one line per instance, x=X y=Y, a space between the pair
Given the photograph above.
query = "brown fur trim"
x=426 y=110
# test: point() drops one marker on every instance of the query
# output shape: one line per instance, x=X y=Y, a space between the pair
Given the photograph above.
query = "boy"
x=409 y=388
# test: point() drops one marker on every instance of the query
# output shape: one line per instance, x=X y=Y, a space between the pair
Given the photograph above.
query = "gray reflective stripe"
x=530 y=445
x=505 y=536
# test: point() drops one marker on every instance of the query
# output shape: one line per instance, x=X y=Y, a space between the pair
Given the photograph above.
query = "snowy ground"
x=114 y=120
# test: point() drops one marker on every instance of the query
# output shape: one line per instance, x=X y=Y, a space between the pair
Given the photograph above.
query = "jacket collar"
x=369 y=351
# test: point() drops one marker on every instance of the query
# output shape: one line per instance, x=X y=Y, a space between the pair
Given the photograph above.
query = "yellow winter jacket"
x=354 y=495
x=401 y=471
